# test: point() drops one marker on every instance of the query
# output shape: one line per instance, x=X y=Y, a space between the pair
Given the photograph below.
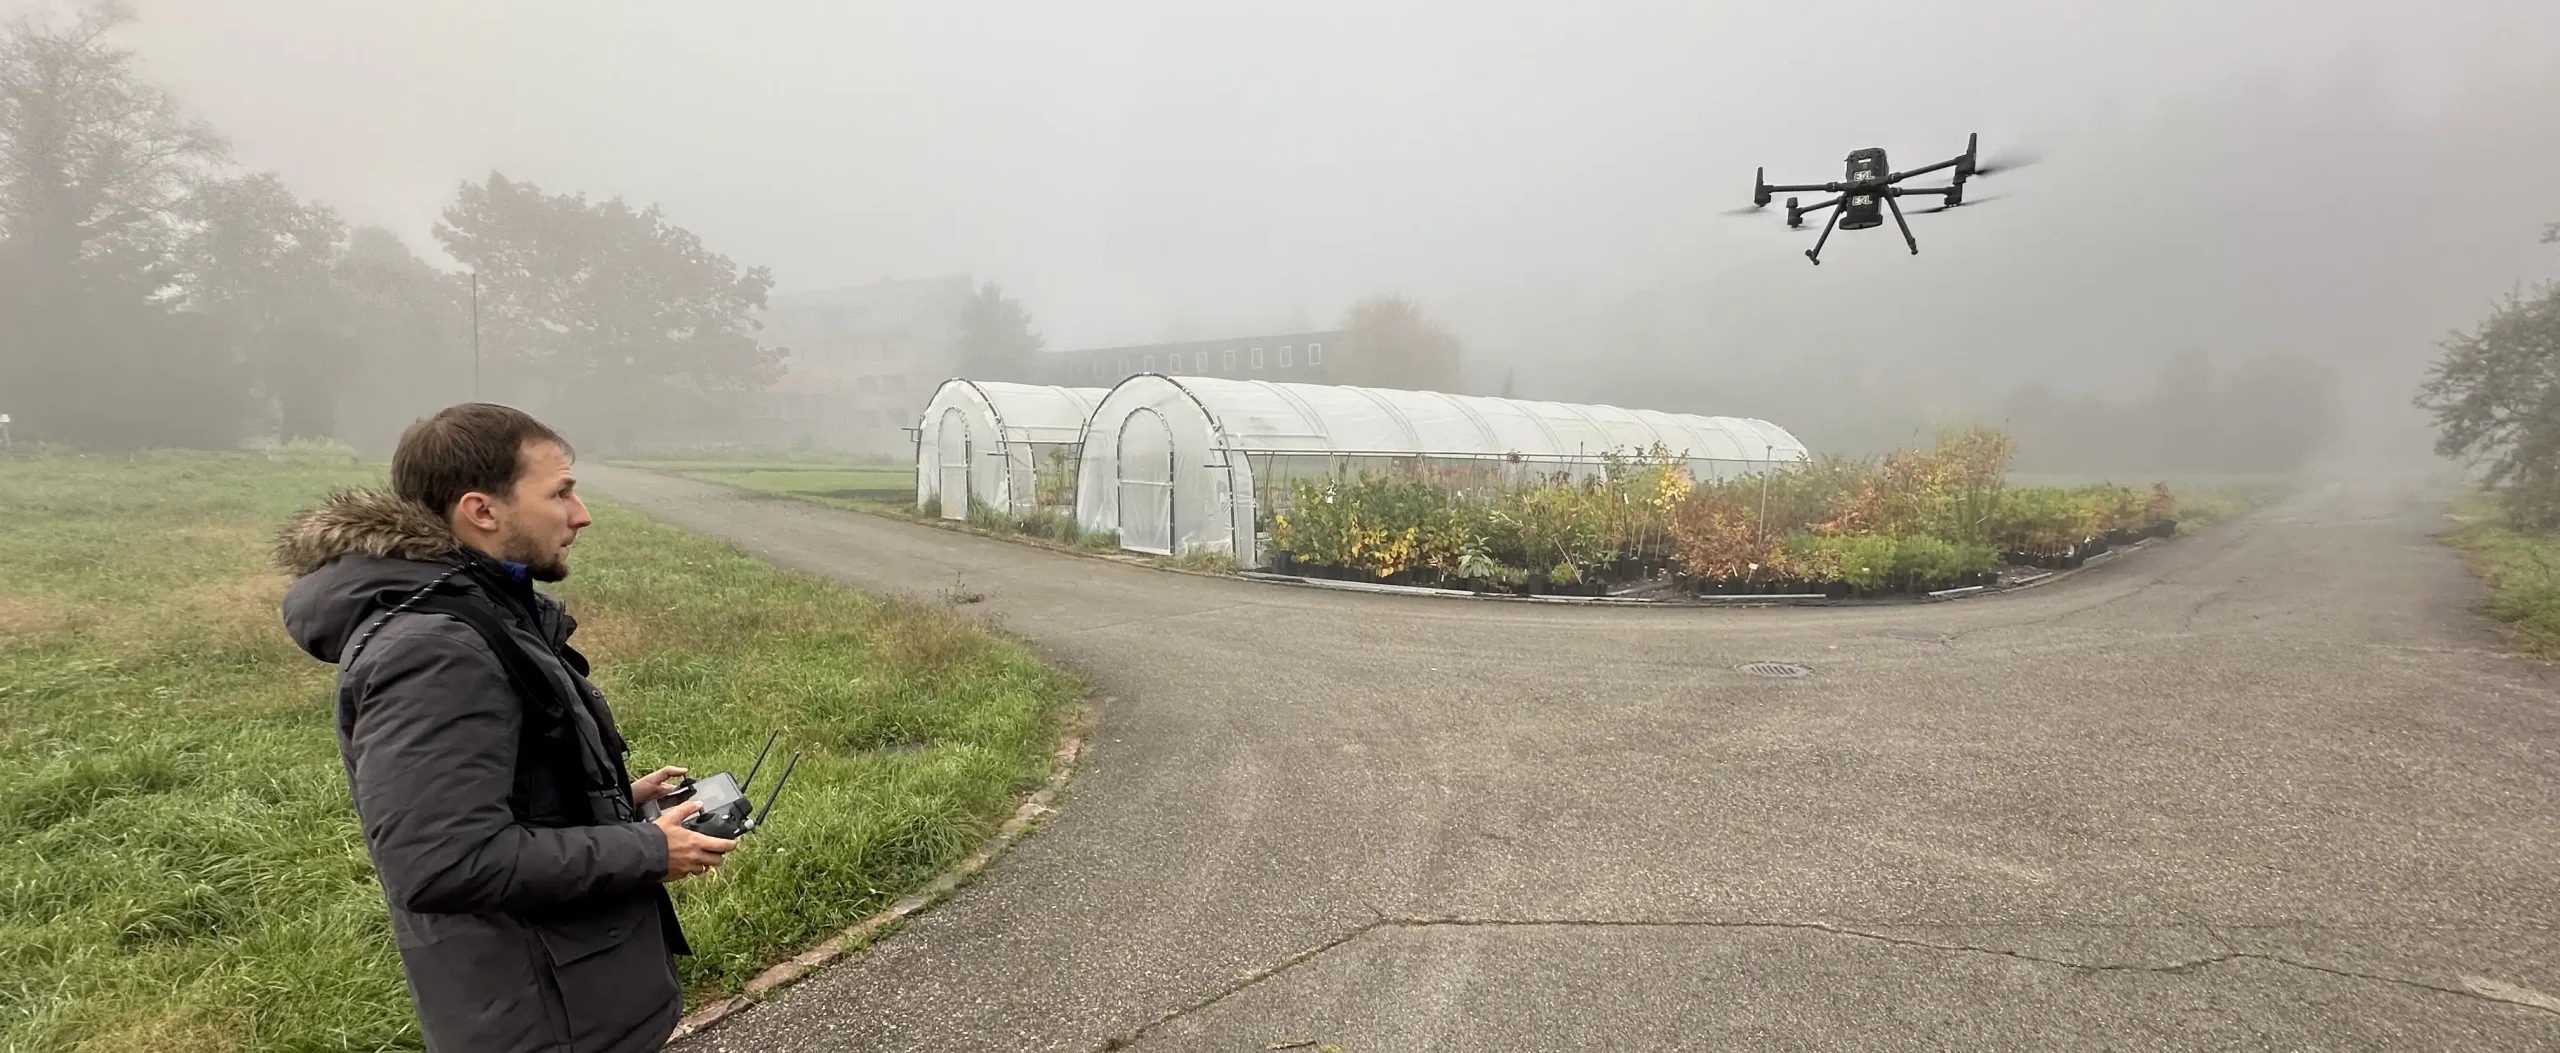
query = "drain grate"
x=1780 y=670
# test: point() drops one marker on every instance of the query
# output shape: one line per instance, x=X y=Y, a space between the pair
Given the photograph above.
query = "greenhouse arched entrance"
x=953 y=439
x=1146 y=483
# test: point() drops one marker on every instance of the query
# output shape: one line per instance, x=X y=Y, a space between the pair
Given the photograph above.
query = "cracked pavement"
x=2272 y=787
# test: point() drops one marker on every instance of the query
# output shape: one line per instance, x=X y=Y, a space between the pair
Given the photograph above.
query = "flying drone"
x=1871 y=188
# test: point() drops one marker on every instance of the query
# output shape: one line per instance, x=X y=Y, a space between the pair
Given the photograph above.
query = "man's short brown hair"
x=471 y=447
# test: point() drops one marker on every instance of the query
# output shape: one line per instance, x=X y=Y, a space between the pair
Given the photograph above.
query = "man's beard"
x=524 y=550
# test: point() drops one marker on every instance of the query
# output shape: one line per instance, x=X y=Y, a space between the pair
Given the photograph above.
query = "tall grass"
x=2522 y=570
x=185 y=872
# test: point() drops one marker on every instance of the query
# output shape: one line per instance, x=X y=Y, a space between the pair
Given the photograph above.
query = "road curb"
x=1062 y=766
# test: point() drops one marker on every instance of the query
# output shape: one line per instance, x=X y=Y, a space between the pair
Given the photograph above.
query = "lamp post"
x=475 y=336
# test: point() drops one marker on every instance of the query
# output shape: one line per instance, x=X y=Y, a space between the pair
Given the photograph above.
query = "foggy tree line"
x=151 y=294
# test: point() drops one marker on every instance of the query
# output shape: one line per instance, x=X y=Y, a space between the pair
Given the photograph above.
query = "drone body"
x=1869 y=188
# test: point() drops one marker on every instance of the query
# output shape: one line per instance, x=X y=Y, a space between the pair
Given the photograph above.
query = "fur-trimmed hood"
x=352 y=558
x=371 y=522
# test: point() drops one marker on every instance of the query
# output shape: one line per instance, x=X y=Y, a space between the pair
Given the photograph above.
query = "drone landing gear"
x=1907 y=239
x=1795 y=218
x=1815 y=253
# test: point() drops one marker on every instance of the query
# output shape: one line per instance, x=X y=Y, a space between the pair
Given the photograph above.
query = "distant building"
x=1328 y=357
x=863 y=359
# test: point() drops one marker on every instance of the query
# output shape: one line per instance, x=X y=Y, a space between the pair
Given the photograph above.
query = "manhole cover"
x=1782 y=670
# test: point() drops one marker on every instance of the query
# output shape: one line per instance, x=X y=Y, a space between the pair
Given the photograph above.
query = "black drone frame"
x=1870 y=182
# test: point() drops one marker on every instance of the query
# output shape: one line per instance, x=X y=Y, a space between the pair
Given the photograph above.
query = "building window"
x=1097 y=368
x=1124 y=366
x=1315 y=354
x=1257 y=358
x=1284 y=355
x=1231 y=360
x=1151 y=363
x=1199 y=361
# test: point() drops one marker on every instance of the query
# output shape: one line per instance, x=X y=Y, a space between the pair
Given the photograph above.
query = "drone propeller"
x=1960 y=204
x=2005 y=162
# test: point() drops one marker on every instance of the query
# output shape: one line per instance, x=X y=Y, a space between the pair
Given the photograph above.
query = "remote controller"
x=726 y=810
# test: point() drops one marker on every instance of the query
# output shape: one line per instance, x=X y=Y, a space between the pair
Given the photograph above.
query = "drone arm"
x=1795 y=215
x=1805 y=188
x=1925 y=169
x=1900 y=191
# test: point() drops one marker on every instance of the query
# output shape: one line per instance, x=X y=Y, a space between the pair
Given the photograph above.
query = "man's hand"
x=654 y=785
x=689 y=853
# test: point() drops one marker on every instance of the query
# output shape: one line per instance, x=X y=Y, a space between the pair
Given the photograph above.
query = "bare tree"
x=412 y=326
x=94 y=162
x=95 y=165
x=260 y=264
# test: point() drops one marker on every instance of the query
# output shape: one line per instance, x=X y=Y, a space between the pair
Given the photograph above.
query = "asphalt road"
x=2273 y=787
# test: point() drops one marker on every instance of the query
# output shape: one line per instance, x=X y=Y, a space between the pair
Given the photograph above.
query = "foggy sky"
x=1547 y=181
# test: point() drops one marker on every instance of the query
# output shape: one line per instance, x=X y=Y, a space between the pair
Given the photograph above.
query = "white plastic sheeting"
x=1219 y=427
x=984 y=438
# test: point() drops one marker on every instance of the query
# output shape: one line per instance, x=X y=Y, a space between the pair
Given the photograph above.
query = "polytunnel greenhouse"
x=1185 y=464
x=1005 y=446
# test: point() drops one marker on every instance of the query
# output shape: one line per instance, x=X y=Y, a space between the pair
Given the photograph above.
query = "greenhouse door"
x=953 y=443
x=1146 y=483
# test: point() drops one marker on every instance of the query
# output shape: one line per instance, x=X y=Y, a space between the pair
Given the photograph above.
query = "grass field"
x=185 y=872
x=2523 y=573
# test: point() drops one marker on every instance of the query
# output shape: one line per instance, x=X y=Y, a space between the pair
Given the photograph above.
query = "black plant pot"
x=2165 y=528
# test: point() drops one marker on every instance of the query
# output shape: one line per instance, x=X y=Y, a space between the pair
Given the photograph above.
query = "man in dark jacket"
x=527 y=893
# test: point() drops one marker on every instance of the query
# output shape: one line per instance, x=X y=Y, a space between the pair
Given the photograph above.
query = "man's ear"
x=475 y=509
